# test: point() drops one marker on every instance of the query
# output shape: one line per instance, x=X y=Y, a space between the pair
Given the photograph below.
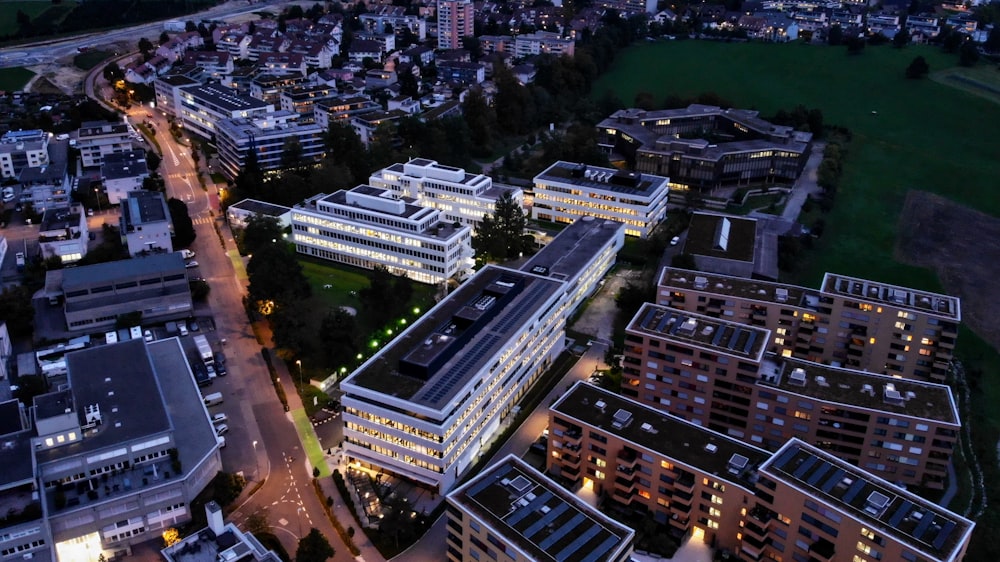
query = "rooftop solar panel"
x=782 y=460
x=602 y=550
x=572 y=547
x=900 y=513
x=854 y=490
x=733 y=338
x=748 y=346
x=818 y=473
x=561 y=531
x=805 y=466
x=531 y=509
x=925 y=523
x=943 y=534
x=718 y=337
x=832 y=481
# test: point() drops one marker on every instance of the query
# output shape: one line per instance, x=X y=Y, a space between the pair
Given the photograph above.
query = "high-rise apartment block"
x=456 y=19
x=716 y=373
x=847 y=322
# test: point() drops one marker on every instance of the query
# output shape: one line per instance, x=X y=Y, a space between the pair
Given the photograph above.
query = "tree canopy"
x=313 y=547
x=500 y=236
x=184 y=233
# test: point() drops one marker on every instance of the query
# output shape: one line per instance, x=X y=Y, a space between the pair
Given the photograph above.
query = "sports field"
x=926 y=135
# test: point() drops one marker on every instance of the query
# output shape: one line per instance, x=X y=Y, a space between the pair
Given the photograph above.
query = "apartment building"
x=397 y=19
x=676 y=143
x=94 y=296
x=425 y=405
x=23 y=149
x=715 y=373
x=48 y=186
x=301 y=100
x=565 y=191
x=268 y=87
x=123 y=172
x=202 y=107
x=146 y=225
x=512 y=510
x=366 y=227
x=95 y=139
x=90 y=470
x=342 y=109
x=462 y=197
x=62 y=233
x=168 y=91
x=543 y=42
x=847 y=322
x=277 y=140
x=455 y=20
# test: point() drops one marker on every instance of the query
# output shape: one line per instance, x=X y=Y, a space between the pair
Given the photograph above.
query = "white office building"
x=463 y=197
x=366 y=226
x=566 y=191
x=200 y=108
x=268 y=135
x=426 y=404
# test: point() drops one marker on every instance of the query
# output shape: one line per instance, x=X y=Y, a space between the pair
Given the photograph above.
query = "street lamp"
x=256 y=461
x=299 y=363
x=97 y=195
x=299 y=510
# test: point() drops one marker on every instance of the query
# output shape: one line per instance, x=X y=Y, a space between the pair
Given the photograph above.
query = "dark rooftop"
x=893 y=295
x=52 y=173
x=721 y=236
x=911 y=519
x=574 y=247
x=223 y=97
x=260 y=207
x=704 y=332
x=143 y=207
x=94 y=128
x=109 y=272
x=607 y=179
x=60 y=218
x=702 y=449
x=128 y=164
x=539 y=517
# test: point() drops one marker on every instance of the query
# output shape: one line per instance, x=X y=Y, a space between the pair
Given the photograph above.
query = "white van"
x=111 y=337
x=135 y=332
x=213 y=399
x=187 y=254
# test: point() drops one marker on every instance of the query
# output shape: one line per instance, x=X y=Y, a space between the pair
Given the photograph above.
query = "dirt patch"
x=962 y=246
x=599 y=318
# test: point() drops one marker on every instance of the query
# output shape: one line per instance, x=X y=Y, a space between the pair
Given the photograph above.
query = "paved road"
x=806 y=184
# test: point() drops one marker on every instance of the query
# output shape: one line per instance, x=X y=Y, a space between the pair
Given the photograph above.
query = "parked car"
x=191 y=264
x=221 y=417
x=221 y=429
x=211 y=371
x=675 y=240
x=147 y=335
x=182 y=328
x=220 y=369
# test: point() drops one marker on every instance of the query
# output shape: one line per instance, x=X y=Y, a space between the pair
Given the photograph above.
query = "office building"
x=514 y=511
x=94 y=296
x=277 y=139
x=96 y=139
x=202 y=107
x=462 y=197
x=146 y=226
x=123 y=172
x=847 y=322
x=797 y=503
x=367 y=227
x=565 y=191
x=680 y=143
x=63 y=233
x=22 y=149
x=715 y=373
x=90 y=469
x=455 y=20
x=426 y=404
x=168 y=91
x=302 y=99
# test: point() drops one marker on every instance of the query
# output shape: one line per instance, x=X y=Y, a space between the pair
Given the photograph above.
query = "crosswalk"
x=203 y=220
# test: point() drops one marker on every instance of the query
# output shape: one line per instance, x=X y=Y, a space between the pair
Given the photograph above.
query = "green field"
x=90 y=59
x=926 y=135
x=14 y=78
x=34 y=9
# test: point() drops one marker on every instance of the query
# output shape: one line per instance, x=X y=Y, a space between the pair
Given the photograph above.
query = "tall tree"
x=918 y=68
x=261 y=231
x=480 y=118
x=275 y=275
x=314 y=547
x=500 y=236
x=184 y=233
x=145 y=46
x=339 y=330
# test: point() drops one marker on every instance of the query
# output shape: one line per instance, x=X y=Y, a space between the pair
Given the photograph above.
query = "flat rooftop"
x=144 y=207
x=60 y=218
x=54 y=172
x=223 y=97
x=570 y=252
x=703 y=332
x=604 y=179
x=926 y=302
x=858 y=388
x=15 y=453
x=116 y=393
x=95 y=128
x=909 y=518
x=539 y=517
x=230 y=544
x=702 y=449
x=454 y=341
x=410 y=208
x=260 y=208
x=110 y=272
x=128 y=164
x=721 y=236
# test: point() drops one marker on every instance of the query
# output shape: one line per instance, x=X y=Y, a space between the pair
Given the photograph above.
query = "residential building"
x=367 y=227
x=23 y=149
x=264 y=42
x=48 y=186
x=302 y=99
x=513 y=510
x=565 y=191
x=466 y=73
x=268 y=87
x=715 y=373
x=174 y=48
x=542 y=42
x=63 y=234
x=89 y=470
x=738 y=497
x=927 y=26
x=316 y=53
x=426 y=404
x=168 y=92
x=215 y=64
x=849 y=322
x=94 y=296
x=123 y=172
x=462 y=197
x=239 y=213
x=239 y=79
x=671 y=142
x=376 y=79
x=203 y=106
x=342 y=108
x=219 y=541
x=282 y=64
x=367 y=124
x=146 y=226
x=418 y=55
x=95 y=139
x=362 y=49
x=396 y=17
x=6 y=349
x=277 y=139
x=386 y=40
x=455 y=20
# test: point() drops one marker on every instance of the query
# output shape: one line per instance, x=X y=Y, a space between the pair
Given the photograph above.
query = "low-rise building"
x=849 y=322
x=368 y=227
x=275 y=138
x=461 y=196
x=342 y=108
x=282 y=64
x=123 y=172
x=48 y=186
x=732 y=245
x=168 y=92
x=513 y=510
x=267 y=87
x=63 y=234
x=146 y=226
x=377 y=78
x=94 y=296
x=366 y=124
x=565 y=191
x=218 y=541
x=95 y=139
x=239 y=213
x=542 y=42
x=466 y=73
x=425 y=405
x=213 y=63
x=302 y=99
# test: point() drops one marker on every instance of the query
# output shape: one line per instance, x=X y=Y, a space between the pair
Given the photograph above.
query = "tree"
x=164 y=37
x=291 y=153
x=313 y=548
x=275 y=275
x=500 y=236
x=836 y=35
x=968 y=53
x=184 y=233
x=145 y=46
x=855 y=45
x=16 y=310
x=113 y=73
x=152 y=160
x=339 y=330
x=480 y=119
x=900 y=39
x=918 y=68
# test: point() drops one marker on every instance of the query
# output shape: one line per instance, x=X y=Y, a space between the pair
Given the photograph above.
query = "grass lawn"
x=9 y=8
x=14 y=78
x=344 y=280
x=762 y=202
x=982 y=80
x=90 y=59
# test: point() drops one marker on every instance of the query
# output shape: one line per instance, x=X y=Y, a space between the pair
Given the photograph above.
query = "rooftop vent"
x=688 y=327
x=892 y=396
x=821 y=380
x=601 y=405
x=781 y=294
x=520 y=484
x=711 y=448
x=621 y=419
x=545 y=509
x=798 y=377
x=876 y=503
x=910 y=395
x=737 y=463
x=648 y=428
x=868 y=389
x=700 y=282
x=92 y=414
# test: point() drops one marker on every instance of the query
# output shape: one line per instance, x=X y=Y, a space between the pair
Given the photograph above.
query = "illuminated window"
x=49 y=442
x=599 y=475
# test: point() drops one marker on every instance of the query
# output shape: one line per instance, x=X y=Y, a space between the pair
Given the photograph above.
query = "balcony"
x=685 y=483
x=823 y=550
x=113 y=484
x=624 y=498
x=624 y=485
x=679 y=522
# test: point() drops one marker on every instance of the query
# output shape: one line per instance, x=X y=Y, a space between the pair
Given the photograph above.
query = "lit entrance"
x=83 y=549
x=697 y=533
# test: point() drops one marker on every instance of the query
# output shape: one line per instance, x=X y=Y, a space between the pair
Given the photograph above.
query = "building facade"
x=202 y=107
x=95 y=139
x=716 y=373
x=455 y=20
x=462 y=197
x=516 y=512
x=63 y=233
x=123 y=172
x=277 y=140
x=146 y=226
x=368 y=227
x=426 y=404
x=565 y=191
x=849 y=322
x=239 y=213
x=23 y=149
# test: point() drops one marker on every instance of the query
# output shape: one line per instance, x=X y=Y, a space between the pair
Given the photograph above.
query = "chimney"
x=214 y=514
